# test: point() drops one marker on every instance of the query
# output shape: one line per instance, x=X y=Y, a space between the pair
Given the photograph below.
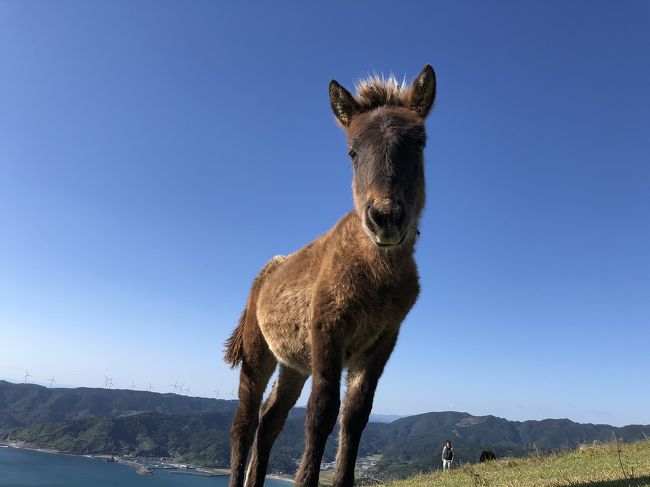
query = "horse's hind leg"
x=257 y=366
x=284 y=395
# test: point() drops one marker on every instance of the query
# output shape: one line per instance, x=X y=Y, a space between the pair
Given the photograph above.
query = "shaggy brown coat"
x=338 y=302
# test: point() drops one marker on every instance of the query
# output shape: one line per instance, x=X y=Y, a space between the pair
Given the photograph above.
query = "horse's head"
x=384 y=123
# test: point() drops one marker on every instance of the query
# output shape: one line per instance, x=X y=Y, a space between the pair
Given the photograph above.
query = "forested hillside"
x=197 y=430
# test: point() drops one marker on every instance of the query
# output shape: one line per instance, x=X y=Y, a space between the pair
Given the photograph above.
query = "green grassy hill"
x=606 y=465
x=413 y=443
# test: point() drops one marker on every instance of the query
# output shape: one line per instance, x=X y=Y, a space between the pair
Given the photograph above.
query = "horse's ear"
x=343 y=104
x=423 y=92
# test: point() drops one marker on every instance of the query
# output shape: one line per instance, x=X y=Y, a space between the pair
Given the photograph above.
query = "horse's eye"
x=421 y=147
x=352 y=154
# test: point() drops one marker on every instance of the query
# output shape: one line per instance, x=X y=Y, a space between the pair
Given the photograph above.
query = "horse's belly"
x=289 y=343
x=283 y=318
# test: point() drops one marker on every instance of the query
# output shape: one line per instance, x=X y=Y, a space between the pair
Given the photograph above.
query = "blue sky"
x=153 y=155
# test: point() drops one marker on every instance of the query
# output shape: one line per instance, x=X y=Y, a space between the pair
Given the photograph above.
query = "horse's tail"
x=234 y=351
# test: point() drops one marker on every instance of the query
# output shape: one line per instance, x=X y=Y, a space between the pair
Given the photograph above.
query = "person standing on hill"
x=447 y=455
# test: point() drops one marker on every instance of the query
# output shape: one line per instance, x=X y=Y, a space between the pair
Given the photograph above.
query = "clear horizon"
x=153 y=156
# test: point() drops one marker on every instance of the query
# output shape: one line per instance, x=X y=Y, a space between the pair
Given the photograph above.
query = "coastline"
x=284 y=478
x=138 y=465
x=23 y=445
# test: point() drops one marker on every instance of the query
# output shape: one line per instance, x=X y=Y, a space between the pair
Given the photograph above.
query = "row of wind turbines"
x=108 y=383
x=28 y=375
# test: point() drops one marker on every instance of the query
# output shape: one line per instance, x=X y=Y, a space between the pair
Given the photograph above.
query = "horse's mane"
x=375 y=91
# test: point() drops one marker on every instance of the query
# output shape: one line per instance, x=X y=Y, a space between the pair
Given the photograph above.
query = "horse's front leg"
x=324 y=401
x=362 y=381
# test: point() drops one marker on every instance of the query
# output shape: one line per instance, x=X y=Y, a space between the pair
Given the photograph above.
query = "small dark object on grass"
x=487 y=455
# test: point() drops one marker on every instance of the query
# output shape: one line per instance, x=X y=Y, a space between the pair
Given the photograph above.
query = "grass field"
x=607 y=465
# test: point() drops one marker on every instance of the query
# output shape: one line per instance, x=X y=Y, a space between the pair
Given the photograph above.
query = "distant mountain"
x=26 y=404
x=202 y=439
x=384 y=418
x=414 y=443
x=196 y=430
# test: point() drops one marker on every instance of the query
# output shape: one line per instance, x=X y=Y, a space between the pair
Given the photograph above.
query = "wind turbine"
x=151 y=387
x=216 y=394
x=51 y=381
x=132 y=385
x=27 y=374
x=108 y=382
x=175 y=386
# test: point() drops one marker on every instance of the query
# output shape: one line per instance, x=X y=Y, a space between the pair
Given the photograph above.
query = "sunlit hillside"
x=608 y=465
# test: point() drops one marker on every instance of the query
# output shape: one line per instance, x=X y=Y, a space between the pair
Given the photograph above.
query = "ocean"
x=27 y=468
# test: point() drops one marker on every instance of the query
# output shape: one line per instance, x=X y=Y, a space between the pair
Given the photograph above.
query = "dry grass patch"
x=609 y=465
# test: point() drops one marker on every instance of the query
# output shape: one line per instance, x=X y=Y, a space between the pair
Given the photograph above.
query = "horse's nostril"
x=391 y=216
x=374 y=217
x=399 y=214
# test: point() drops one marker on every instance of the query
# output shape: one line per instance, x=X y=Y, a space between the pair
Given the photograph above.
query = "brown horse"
x=338 y=302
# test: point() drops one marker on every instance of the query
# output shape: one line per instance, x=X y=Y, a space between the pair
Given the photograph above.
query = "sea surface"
x=23 y=468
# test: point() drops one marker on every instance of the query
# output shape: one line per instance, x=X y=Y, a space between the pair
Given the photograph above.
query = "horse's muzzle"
x=385 y=222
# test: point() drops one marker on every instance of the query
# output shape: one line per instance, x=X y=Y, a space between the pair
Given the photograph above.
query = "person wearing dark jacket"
x=447 y=455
